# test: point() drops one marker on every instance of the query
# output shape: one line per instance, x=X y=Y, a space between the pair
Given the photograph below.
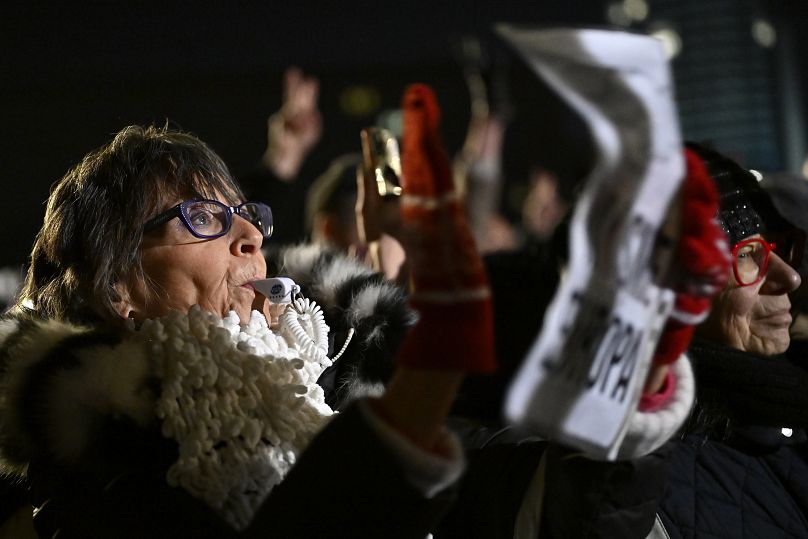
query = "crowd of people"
x=149 y=389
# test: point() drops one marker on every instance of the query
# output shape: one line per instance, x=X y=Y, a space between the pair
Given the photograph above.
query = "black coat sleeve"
x=582 y=497
x=491 y=492
x=119 y=489
x=589 y=498
x=346 y=484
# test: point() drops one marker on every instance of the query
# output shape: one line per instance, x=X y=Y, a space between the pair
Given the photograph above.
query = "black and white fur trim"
x=59 y=383
x=351 y=296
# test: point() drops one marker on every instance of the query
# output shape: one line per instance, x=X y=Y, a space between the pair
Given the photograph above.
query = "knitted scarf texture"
x=242 y=402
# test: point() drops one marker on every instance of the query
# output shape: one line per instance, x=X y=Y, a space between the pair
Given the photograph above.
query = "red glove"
x=703 y=254
x=450 y=287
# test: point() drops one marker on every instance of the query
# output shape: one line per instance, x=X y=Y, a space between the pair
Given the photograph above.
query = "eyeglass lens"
x=750 y=261
x=259 y=215
x=207 y=218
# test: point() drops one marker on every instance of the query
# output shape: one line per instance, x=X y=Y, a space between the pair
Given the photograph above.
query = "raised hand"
x=449 y=284
x=377 y=217
x=296 y=127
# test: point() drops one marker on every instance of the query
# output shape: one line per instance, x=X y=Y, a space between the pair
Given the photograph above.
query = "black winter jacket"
x=741 y=468
x=583 y=498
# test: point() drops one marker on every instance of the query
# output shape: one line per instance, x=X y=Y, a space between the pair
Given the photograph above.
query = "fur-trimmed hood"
x=59 y=383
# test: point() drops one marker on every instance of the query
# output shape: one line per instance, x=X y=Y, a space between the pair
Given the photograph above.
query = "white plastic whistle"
x=277 y=289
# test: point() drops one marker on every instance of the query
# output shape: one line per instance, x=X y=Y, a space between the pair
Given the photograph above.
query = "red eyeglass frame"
x=769 y=247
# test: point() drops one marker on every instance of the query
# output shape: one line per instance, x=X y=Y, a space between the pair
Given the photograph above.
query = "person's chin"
x=242 y=302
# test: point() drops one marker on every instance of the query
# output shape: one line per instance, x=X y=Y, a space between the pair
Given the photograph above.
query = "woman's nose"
x=246 y=239
x=780 y=277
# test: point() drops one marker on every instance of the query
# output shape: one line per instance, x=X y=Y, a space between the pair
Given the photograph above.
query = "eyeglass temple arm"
x=162 y=219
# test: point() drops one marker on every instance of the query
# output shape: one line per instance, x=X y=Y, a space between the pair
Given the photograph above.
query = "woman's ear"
x=123 y=304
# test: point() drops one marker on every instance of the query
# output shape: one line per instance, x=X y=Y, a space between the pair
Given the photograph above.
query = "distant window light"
x=616 y=14
x=392 y=120
x=636 y=10
x=359 y=100
x=671 y=41
x=764 y=33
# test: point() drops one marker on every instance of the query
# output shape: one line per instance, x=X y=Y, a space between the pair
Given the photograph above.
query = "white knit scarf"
x=242 y=402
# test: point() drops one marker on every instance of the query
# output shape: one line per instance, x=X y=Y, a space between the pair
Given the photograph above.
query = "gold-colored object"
x=382 y=160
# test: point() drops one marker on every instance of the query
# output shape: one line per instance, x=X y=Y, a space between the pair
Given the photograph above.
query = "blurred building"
x=738 y=68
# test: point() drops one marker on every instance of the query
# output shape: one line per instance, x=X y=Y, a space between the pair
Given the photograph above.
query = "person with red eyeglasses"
x=740 y=467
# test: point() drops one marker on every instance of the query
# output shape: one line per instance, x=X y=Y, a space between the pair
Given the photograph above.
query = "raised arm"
x=449 y=286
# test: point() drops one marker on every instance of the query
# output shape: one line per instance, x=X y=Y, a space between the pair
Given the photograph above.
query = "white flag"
x=584 y=373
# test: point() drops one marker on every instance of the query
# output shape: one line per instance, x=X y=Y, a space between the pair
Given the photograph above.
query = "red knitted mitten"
x=450 y=287
x=703 y=254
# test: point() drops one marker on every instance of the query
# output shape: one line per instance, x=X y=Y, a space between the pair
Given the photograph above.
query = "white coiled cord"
x=313 y=338
x=305 y=325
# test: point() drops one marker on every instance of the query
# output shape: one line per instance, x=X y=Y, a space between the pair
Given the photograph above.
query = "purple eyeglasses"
x=207 y=219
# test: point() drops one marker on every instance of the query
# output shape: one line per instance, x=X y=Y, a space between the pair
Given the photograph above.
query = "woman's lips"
x=248 y=282
x=782 y=318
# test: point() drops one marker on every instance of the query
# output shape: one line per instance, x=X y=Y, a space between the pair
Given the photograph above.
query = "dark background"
x=73 y=74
